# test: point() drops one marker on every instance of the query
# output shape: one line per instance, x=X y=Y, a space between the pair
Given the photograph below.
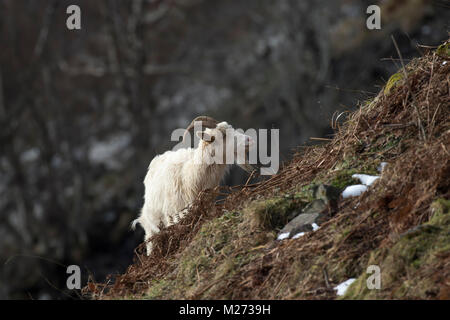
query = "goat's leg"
x=149 y=246
x=150 y=232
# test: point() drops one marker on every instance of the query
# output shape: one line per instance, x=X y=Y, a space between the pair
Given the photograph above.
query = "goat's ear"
x=205 y=136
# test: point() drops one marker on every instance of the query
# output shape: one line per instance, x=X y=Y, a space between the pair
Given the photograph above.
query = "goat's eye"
x=212 y=138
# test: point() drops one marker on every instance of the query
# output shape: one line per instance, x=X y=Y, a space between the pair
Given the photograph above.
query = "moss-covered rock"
x=274 y=213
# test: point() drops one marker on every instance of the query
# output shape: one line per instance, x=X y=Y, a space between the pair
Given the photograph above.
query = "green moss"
x=440 y=209
x=341 y=176
x=393 y=81
x=305 y=193
x=157 y=289
x=190 y=267
x=444 y=50
x=274 y=213
x=345 y=232
x=213 y=238
x=385 y=143
x=343 y=179
x=366 y=103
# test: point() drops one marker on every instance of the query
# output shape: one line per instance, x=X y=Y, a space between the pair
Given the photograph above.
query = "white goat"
x=175 y=178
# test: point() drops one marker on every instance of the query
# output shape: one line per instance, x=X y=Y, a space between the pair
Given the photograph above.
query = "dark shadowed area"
x=83 y=112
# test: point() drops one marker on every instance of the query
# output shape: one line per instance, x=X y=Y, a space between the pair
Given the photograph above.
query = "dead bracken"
x=228 y=248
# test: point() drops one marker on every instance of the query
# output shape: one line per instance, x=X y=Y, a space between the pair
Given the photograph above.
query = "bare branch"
x=2 y=98
x=43 y=34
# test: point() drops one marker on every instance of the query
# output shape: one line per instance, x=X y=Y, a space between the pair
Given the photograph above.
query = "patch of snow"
x=298 y=235
x=365 y=178
x=354 y=191
x=342 y=287
x=380 y=168
x=283 y=236
x=444 y=63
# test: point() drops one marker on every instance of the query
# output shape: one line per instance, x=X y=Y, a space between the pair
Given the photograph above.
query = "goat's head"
x=221 y=141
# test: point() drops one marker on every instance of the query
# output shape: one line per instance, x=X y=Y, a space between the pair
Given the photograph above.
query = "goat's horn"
x=207 y=122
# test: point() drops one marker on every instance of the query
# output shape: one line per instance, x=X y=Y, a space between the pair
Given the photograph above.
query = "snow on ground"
x=283 y=236
x=365 y=178
x=298 y=235
x=354 y=191
x=342 y=287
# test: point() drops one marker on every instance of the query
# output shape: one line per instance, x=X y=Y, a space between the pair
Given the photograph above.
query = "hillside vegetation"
x=228 y=249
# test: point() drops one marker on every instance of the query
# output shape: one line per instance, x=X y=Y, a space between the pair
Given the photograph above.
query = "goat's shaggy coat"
x=175 y=178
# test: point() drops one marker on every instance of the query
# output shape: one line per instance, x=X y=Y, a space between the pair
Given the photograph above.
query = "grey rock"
x=324 y=196
x=326 y=193
x=315 y=206
x=302 y=223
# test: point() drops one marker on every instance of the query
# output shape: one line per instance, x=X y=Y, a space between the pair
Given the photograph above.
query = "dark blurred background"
x=83 y=112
